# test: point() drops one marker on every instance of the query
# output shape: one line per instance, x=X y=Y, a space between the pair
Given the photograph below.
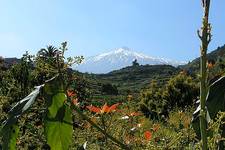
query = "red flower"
x=148 y=135
x=104 y=108
x=93 y=109
x=113 y=107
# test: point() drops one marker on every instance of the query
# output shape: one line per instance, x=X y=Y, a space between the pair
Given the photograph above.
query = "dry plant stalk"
x=205 y=37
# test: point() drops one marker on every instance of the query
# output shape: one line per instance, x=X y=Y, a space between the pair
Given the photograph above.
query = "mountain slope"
x=193 y=66
x=131 y=78
x=119 y=58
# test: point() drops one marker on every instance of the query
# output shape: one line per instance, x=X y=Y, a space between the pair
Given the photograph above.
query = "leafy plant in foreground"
x=58 y=125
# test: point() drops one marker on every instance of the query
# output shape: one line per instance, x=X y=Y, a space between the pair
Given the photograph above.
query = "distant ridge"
x=10 y=61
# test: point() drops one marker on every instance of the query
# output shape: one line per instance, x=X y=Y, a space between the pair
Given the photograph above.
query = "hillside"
x=132 y=78
x=193 y=66
x=135 y=78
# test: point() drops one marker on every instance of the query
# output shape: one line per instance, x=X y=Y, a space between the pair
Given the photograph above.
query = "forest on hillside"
x=44 y=104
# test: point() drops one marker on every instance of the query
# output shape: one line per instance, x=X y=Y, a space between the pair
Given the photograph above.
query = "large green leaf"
x=215 y=102
x=58 y=122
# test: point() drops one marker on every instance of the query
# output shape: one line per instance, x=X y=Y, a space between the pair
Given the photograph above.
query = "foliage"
x=51 y=60
x=152 y=101
x=22 y=75
x=18 y=79
x=109 y=89
x=79 y=85
x=136 y=131
x=10 y=129
x=215 y=139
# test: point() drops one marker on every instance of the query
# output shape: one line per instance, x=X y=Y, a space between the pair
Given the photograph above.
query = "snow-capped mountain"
x=119 y=58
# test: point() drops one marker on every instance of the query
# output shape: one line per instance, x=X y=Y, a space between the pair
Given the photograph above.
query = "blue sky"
x=159 y=28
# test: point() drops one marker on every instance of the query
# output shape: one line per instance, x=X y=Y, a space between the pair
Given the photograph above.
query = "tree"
x=49 y=61
x=109 y=89
x=135 y=63
x=48 y=53
x=80 y=85
x=22 y=74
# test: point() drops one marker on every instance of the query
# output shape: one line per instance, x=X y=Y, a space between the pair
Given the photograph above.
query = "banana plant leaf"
x=216 y=98
x=22 y=106
x=215 y=102
x=9 y=131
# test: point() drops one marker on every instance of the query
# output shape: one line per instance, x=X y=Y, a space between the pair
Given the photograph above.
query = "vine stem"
x=205 y=37
x=122 y=145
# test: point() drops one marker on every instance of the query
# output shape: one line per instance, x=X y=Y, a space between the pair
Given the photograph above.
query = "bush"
x=180 y=91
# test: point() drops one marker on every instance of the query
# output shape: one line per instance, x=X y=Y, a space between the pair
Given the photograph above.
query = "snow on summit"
x=117 y=59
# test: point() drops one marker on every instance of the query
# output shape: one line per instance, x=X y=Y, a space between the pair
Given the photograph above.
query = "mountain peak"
x=117 y=59
x=122 y=49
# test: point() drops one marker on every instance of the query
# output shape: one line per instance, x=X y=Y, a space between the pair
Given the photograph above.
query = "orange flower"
x=148 y=135
x=71 y=93
x=105 y=108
